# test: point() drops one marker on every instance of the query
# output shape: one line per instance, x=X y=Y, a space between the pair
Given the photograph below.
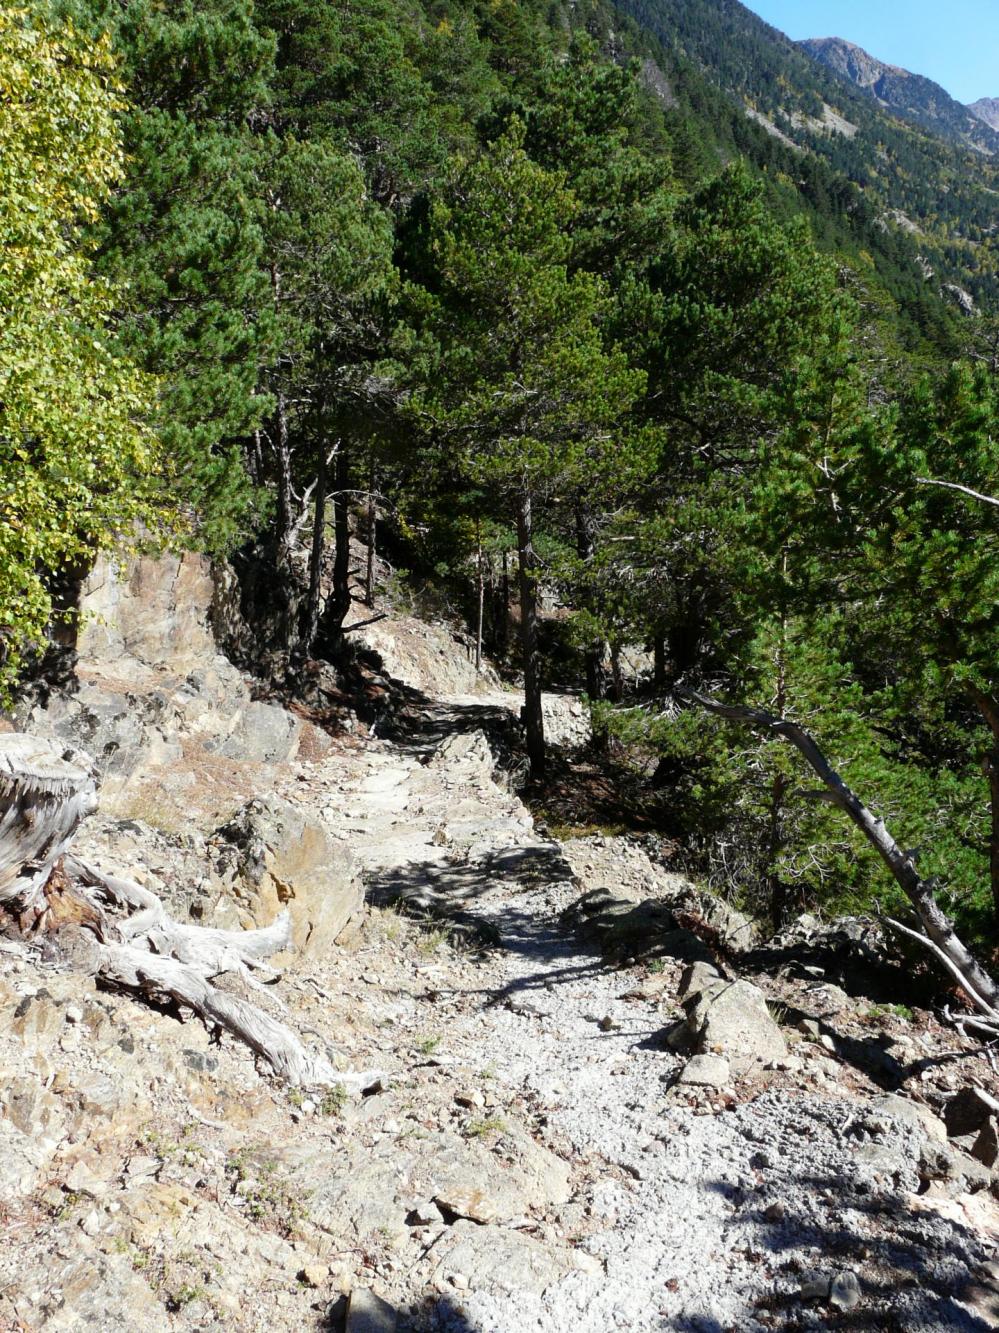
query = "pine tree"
x=526 y=392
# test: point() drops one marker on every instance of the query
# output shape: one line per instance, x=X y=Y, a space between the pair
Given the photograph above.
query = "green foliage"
x=182 y=240
x=526 y=389
x=79 y=469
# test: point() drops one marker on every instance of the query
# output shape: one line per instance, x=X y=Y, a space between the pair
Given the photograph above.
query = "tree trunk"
x=939 y=932
x=282 y=455
x=617 y=678
x=532 y=715
x=989 y=709
x=310 y=616
x=659 y=664
x=503 y=635
x=338 y=603
x=593 y=653
x=369 y=573
x=282 y=451
x=44 y=794
x=481 y=581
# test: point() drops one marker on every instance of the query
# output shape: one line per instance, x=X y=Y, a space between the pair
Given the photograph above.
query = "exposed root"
x=44 y=794
x=155 y=955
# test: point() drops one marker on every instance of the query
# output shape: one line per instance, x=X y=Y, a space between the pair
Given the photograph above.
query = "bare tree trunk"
x=989 y=709
x=369 y=573
x=593 y=653
x=938 y=930
x=282 y=450
x=503 y=634
x=282 y=454
x=533 y=716
x=481 y=580
x=659 y=664
x=257 y=460
x=339 y=600
x=44 y=794
x=617 y=678
x=779 y=895
x=310 y=616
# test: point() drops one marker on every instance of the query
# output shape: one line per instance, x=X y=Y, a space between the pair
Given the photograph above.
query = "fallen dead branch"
x=45 y=793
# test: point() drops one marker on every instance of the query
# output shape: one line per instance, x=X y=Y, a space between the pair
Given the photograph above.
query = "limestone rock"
x=264 y=733
x=844 y=1291
x=986 y=1149
x=155 y=612
x=706 y=1071
x=736 y=931
x=968 y=1111
x=730 y=1018
x=696 y=977
x=646 y=927
x=282 y=858
x=912 y=1114
x=101 y=1291
x=507 y=1260
x=368 y=1313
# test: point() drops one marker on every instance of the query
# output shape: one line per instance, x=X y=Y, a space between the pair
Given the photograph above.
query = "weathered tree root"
x=44 y=795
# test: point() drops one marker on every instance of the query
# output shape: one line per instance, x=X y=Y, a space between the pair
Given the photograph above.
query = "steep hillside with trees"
x=529 y=289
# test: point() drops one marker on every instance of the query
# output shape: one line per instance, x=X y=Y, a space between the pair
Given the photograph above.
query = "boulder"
x=646 y=928
x=696 y=976
x=706 y=1071
x=731 y=1018
x=368 y=1313
x=281 y=858
x=737 y=932
x=263 y=733
x=153 y=611
x=968 y=1111
x=496 y=1258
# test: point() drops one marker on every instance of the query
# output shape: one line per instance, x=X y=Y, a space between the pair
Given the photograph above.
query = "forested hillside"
x=606 y=361
x=932 y=192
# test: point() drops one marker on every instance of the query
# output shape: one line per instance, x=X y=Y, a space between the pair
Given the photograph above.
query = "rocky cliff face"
x=987 y=110
x=905 y=94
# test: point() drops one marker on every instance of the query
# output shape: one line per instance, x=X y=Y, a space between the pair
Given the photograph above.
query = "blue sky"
x=955 y=42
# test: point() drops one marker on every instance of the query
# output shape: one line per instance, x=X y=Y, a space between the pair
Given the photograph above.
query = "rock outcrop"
x=273 y=857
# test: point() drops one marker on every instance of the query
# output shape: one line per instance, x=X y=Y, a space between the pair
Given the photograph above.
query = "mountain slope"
x=905 y=94
x=987 y=110
x=933 y=200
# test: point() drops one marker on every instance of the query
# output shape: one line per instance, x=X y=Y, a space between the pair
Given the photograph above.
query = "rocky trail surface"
x=605 y=1102
x=687 y=1206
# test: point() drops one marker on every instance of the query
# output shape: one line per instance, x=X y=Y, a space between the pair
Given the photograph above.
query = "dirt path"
x=677 y=1216
x=529 y=1162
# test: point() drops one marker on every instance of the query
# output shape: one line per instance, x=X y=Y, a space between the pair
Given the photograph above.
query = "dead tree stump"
x=45 y=793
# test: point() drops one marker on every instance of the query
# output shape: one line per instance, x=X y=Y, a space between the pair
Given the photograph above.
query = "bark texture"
x=533 y=716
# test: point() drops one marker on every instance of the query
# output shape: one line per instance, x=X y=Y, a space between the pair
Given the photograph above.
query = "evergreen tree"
x=182 y=239
x=525 y=390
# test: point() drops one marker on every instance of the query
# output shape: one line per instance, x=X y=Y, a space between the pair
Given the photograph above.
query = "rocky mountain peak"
x=986 y=109
x=850 y=60
x=911 y=96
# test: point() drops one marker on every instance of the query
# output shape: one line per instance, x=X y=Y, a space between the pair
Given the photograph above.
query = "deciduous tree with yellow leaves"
x=79 y=471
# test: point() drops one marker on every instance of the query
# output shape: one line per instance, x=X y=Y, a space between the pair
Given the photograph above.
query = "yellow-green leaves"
x=78 y=468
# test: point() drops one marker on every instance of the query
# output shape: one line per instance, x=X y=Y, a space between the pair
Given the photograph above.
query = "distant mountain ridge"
x=986 y=109
x=913 y=96
x=894 y=175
